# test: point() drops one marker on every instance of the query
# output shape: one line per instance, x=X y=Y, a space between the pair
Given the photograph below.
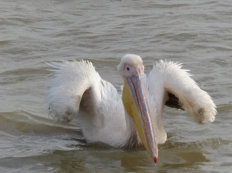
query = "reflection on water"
x=178 y=157
x=33 y=33
x=40 y=144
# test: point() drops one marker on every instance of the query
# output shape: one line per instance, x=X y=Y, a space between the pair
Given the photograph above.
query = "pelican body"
x=134 y=116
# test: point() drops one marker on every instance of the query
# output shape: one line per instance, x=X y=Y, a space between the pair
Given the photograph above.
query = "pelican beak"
x=136 y=104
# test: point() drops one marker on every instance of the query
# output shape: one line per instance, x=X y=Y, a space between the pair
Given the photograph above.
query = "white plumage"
x=77 y=90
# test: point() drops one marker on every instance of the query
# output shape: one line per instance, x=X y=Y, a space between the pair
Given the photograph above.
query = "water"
x=33 y=33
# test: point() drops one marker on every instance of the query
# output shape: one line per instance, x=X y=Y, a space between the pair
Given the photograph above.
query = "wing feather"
x=181 y=91
x=76 y=89
x=70 y=81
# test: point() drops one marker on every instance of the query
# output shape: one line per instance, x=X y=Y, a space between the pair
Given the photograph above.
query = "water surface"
x=33 y=33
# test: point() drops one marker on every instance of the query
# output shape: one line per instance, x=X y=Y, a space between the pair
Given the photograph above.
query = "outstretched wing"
x=76 y=89
x=70 y=87
x=179 y=90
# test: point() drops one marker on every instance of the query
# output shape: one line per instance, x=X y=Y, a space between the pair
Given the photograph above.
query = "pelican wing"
x=77 y=87
x=72 y=83
x=179 y=90
x=77 y=90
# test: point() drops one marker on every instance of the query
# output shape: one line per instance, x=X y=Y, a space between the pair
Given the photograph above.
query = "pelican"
x=134 y=116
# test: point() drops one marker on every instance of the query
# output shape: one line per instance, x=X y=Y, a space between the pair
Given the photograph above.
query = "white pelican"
x=134 y=117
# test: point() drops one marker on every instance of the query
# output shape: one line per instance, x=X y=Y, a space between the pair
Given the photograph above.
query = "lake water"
x=32 y=33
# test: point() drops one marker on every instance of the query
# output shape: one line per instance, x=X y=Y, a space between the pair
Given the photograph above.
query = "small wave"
x=26 y=123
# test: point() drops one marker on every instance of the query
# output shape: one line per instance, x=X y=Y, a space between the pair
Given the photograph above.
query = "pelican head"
x=135 y=101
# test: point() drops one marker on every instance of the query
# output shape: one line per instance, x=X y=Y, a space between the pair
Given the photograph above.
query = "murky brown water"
x=32 y=33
